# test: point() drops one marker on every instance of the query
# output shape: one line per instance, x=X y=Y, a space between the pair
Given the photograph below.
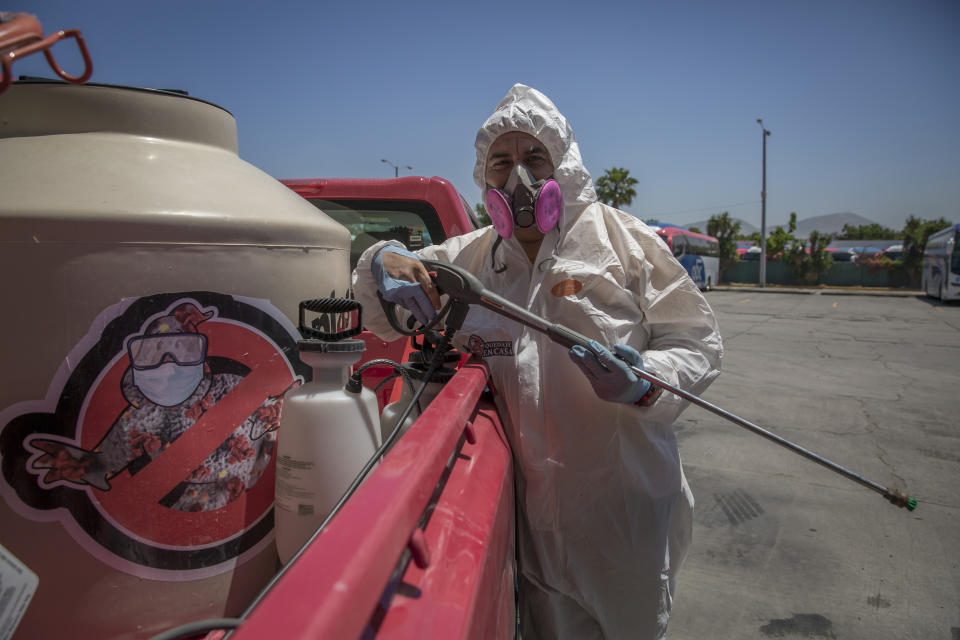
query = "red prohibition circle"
x=132 y=501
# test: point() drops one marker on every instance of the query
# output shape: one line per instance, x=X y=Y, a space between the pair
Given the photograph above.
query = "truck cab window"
x=414 y=223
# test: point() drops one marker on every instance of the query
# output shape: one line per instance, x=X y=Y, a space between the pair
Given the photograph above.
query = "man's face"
x=508 y=150
x=514 y=147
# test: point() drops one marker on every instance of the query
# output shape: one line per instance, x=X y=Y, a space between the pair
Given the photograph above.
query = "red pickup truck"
x=442 y=497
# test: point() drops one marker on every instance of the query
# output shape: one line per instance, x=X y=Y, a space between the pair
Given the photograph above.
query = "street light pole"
x=763 y=210
x=396 y=169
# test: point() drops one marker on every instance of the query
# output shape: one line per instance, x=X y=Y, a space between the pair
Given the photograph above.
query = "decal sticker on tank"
x=154 y=446
x=17 y=586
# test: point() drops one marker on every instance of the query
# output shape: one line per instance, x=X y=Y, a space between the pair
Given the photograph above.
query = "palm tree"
x=725 y=230
x=483 y=218
x=615 y=187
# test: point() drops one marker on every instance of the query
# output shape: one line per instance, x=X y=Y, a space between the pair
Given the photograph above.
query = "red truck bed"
x=442 y=497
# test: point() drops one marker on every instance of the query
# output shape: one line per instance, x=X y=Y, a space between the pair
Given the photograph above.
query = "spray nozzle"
x=354 y=382
x=900 y=499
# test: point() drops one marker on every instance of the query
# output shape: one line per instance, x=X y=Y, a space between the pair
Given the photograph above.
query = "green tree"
x=483 y=218
x=778 y=240
x=806 y=266
x=915 y=234
x=615 y=187
x=694 y=229
x=872 y=231
x=725 y=230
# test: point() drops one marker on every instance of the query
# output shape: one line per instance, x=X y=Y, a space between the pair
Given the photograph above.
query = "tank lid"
x=340 y=346
x=183 y=93
x=43 y=108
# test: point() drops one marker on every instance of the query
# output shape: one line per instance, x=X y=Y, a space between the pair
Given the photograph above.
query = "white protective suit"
x=605 y=510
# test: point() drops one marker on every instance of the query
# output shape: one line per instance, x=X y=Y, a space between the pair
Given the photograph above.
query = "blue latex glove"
x=616 y=382
x=408 y=295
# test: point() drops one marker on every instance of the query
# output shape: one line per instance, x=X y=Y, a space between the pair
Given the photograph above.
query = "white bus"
x=941 y=264
x=698 y=253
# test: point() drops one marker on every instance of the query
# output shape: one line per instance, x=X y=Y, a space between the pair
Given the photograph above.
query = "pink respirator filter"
x=549 y=206
x=498 y=208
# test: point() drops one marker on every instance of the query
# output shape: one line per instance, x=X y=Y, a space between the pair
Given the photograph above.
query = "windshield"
x=472 y=214
x=414 y=223
x=955 y=259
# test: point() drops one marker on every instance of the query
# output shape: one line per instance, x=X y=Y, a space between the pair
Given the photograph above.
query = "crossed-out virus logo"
x=475 y=344
x=154 y=446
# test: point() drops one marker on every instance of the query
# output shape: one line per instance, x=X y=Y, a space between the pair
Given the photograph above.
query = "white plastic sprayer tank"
x=417 y=372
x=327 y=434
x=149 y=281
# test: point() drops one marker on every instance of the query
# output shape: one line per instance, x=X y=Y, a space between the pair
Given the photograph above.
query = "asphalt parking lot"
x=783 y=548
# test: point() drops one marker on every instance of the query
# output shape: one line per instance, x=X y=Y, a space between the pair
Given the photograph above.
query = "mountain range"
x=831 y=223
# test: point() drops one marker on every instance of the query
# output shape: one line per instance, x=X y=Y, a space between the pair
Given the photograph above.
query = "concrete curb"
x=816 y=291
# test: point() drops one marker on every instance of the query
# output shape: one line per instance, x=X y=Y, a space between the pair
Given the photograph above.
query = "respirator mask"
x=524 y=201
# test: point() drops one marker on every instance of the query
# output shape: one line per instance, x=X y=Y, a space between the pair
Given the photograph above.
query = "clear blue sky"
x=862 y=97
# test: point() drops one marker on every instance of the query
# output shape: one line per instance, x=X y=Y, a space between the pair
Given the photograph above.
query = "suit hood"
x=527 y=110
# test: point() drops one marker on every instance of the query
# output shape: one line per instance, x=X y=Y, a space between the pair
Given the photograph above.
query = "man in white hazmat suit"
x=605 y=510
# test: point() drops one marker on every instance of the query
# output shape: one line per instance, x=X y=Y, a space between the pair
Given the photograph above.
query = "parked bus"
x=941 y=264
x=698 y=253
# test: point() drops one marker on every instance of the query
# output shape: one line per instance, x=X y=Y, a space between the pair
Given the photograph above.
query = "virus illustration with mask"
x=169 y=386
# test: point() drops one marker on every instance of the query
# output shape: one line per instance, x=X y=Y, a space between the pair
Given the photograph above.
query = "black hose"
x=354 y=383
x=198 y=627
x=435 y=363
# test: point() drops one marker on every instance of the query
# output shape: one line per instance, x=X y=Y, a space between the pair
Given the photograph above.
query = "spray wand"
x=464 y=287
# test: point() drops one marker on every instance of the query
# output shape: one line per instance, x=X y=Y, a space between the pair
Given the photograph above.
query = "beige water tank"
x=150 y=283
